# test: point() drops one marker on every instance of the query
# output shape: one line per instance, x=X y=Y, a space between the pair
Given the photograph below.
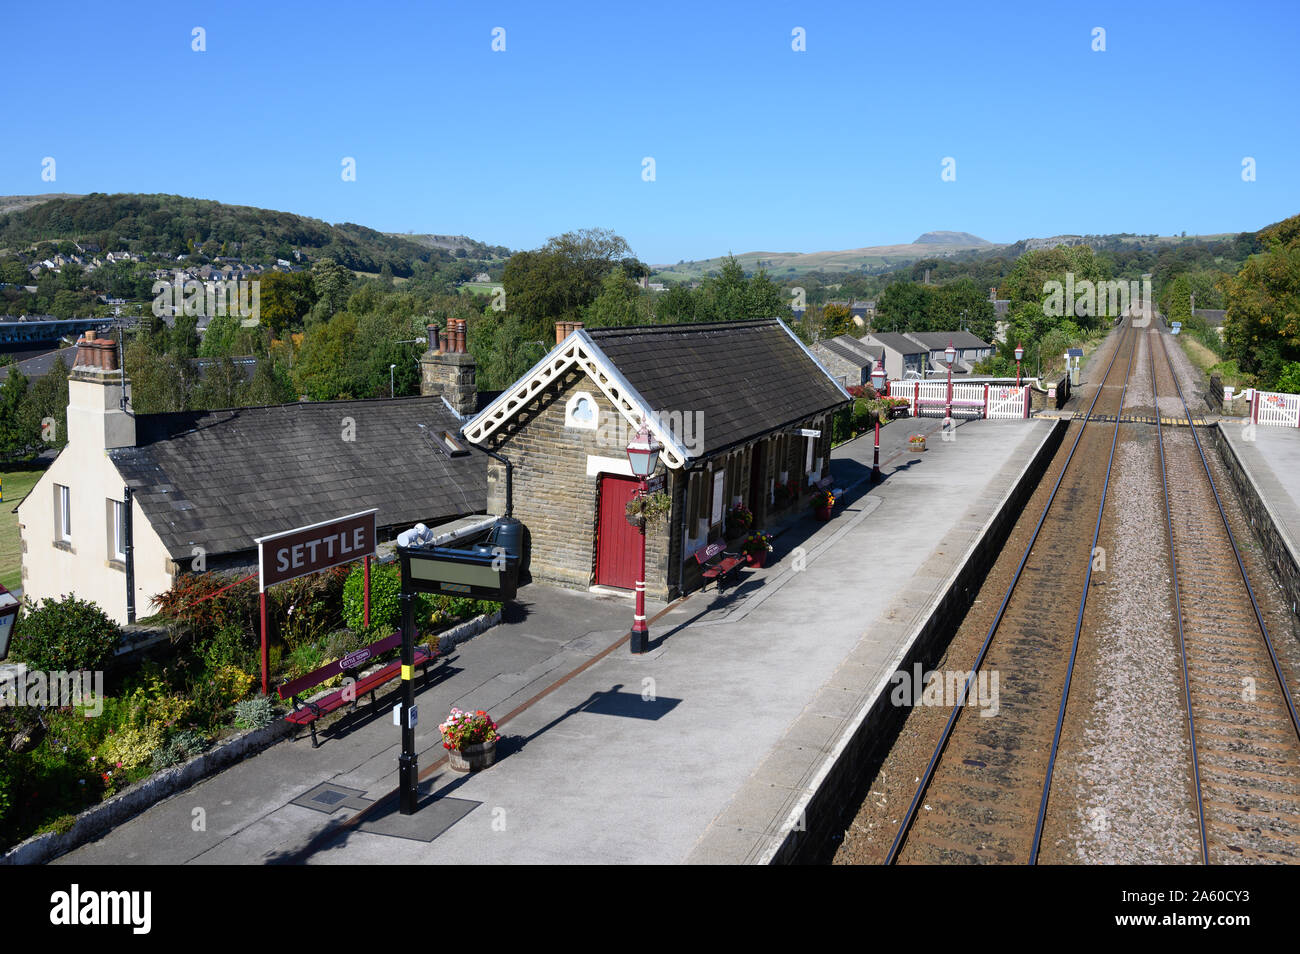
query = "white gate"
x=969 y=399
x=1276 y=409
x=1008 y=401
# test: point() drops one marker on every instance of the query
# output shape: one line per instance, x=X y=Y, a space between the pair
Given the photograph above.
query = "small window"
x=63 y=513
x=119 y=530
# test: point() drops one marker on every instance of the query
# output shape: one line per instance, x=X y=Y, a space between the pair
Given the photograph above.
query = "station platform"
x=1265 y=466
x=723 y=744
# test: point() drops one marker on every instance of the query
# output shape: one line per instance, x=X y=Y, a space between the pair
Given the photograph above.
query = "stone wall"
x=554 y=497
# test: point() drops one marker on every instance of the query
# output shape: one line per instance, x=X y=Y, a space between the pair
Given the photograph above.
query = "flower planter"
x=916 y=447
x=636 y=523
x=472 y=758
x=822 y=513
x=756 y=560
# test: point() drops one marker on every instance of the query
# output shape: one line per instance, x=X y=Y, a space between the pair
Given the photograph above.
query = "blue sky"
x=756 y=146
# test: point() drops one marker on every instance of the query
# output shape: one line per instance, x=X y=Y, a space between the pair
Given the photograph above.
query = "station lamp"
x=1020 y=353
x=643 y=455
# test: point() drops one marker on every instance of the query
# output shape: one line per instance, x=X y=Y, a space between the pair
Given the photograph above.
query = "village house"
x=743 y=412
x=969 y=348
x=904 y=357
x=134 y=500
x=848 y=360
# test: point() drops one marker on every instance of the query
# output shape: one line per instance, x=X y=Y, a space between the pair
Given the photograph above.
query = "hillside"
x=453 y=244
x=171 y=225
x=963 y=239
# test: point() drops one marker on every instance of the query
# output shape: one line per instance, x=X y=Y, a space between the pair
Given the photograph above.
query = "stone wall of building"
x=555 y=497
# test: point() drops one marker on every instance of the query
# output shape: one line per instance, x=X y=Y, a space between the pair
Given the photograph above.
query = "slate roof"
x=40 y=365
x=747 y=377
x=218 y=479
x=897 y=342
x=853 y=350
x=938 y=340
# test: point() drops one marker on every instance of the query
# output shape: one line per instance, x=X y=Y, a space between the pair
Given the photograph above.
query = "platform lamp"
x=951 y=354
x=1020 y=353
x=878 y=381
x=8 y=615
x=643 y=455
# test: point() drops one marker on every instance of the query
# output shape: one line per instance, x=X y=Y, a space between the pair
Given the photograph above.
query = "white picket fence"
x=996 y=401
x=1275 y=409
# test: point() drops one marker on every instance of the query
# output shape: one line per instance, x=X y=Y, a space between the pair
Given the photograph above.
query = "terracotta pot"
x=472 y=758
x=756 y=560
x=822 y=513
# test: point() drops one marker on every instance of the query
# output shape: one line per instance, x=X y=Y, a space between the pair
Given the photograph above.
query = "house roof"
x=896 y=342
x=747 y=378
x=853 y=350
x=40 y=365
x=218 y=479
x=938 y=340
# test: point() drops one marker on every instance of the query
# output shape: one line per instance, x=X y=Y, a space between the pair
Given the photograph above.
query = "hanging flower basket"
x=643 y=508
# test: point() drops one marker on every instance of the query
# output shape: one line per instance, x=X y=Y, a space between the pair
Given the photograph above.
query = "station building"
x=741 y=408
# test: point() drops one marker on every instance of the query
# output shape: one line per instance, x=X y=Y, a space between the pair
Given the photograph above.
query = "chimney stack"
x=448 y=370
x=97 y=395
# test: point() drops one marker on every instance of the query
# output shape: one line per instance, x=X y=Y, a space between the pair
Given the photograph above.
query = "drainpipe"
x=129 y=549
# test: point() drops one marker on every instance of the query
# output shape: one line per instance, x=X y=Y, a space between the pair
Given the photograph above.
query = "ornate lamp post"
x=1020 y=353
x=643 y=455
x=8 y=614
x=878 y=378
x=951 y=354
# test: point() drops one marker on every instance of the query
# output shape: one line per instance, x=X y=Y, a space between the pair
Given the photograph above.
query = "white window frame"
x=119 y=531
x=64 y=511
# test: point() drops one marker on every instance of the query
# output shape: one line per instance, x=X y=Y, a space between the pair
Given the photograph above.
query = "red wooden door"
x=618 y=543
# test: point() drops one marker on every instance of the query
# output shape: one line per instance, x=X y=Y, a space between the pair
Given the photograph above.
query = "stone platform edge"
x=806 y=834
x=1264 y=520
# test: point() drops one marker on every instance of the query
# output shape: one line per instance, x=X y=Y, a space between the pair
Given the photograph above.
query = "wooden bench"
x=717 y=563
x=306 y=713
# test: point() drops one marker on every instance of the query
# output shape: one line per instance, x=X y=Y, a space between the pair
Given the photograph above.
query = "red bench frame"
x=727 y=563
x=306 y=713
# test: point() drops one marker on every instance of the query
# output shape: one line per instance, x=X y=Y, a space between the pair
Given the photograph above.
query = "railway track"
x=984 y=792
x=1241 y=715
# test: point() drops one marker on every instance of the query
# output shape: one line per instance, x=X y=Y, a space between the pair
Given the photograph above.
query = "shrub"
x=132 y=746
x=65 y=635
x=233 y=644
x=385 y=601
x=179 y=748
x=308 y=607
x=190 y=601
x=254 y=713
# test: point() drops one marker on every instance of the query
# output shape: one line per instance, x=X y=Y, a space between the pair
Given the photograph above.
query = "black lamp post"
x=1020 y=353
x=8 y=615
x=643 y=455
x=951 y=354
x=878 y=378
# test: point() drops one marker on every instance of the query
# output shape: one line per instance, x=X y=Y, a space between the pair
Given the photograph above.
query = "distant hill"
x=453 y=243
x=168 y=224
x=16 y=203
x=963 y=239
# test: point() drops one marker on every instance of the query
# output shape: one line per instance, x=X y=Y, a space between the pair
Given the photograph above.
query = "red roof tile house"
x=742 y=409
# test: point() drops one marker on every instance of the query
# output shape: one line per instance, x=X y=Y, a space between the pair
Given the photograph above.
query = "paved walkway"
x=1271 y=459
x=697 y=751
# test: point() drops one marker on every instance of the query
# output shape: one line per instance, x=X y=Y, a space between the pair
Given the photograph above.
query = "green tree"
x=1262 y=321
x=16 y=441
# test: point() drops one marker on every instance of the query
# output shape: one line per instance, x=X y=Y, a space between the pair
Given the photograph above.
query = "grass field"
x=16 y=485
x=479 y=288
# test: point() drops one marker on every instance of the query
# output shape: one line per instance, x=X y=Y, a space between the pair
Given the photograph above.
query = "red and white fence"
x=1275 y=409
x=969 y=399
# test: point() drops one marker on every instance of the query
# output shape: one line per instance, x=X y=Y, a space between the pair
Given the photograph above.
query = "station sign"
x=294 y=553
x=477 y=574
